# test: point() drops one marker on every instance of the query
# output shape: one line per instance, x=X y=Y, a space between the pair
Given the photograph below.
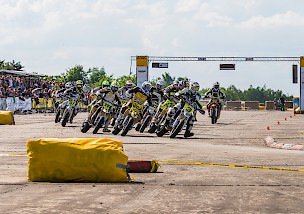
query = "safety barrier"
x=43 y=104
x=25 y=104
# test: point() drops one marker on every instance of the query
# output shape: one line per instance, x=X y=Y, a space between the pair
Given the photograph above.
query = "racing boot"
x=105 y=129
x=188 y=134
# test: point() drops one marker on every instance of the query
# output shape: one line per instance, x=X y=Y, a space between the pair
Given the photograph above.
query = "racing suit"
x=138 y=94
x=214 y=93
x=107 y=94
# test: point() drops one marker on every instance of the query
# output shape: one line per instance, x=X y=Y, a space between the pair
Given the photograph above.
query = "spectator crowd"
x=15 y=89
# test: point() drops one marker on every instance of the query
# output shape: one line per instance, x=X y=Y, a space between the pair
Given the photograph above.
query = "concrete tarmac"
x=220 y=184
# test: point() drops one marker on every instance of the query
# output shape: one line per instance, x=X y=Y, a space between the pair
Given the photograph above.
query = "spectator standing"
x=2 y=99
x=282 y=100
x=275 y=104
x=10 y=100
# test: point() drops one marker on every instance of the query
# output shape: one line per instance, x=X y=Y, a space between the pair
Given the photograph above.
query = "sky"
x=51 y=36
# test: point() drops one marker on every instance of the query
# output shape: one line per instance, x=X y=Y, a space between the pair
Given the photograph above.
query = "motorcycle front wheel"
x=177 y=130
x=213 y=117
x=98 y=125
x=162 y=131
x=145 y=124
x=65 y=119
x=127 y=127
x=57 y=116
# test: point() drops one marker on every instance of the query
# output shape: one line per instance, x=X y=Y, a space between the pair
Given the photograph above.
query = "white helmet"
x=68 y=85
x=160 y=84
x=216 y=85
x=146 y=86
x=176 y=84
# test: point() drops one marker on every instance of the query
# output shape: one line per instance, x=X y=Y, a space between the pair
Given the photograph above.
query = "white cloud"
x=213 y=19
x=288 y=19
x=56 y=34
x=183 y=6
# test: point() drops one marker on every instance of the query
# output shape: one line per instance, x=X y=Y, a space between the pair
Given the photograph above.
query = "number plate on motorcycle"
x=189 y=108
x=140 y=97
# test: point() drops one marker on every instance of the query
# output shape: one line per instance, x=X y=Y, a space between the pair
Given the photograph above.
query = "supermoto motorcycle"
x=70 y=110
x=105 y=114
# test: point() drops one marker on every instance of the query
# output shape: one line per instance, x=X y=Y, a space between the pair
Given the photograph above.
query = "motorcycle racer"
x=214 y=93
x=142 y=94
x=106 y=92
x=185 y=95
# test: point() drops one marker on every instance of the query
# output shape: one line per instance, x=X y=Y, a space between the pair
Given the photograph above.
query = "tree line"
x=95 y=76
x=16 y=66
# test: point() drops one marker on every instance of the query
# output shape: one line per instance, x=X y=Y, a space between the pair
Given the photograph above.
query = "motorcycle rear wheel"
x=85 y=127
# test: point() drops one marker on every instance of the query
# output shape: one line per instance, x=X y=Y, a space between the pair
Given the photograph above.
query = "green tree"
x=11 y=65
x=76 y=73
x=168 y=79
x=96 y=74
x=123 y=79
x=233 y=93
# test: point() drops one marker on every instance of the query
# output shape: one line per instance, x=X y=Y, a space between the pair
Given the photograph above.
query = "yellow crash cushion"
x=7 y=118
x=77 y=160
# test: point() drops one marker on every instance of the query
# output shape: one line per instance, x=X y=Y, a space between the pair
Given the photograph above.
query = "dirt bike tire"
x=162 y=119
x=98 y=125
x=95 y=114
x=112 y=123
x=127 y=127
x=137 y=128
x=116 y=130
x=152 y=128
x=177 y=130
x=65 y=119
x=85 y=127
x=162 y=131
x=145 y=124
x=57 y=116
x=213 y=117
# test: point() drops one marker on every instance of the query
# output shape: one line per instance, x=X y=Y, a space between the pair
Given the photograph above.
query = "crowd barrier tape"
x=178 y=162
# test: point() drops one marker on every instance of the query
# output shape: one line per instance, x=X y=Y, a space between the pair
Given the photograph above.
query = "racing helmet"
x=68 y=85
x=146 y=86
x=182 y=84
x=129 y=84
x=114 y=86
x=216 y=85
x=176 y=84
x=160 y=84
x=105 y=83
x=79 y=84
x=195 y=86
